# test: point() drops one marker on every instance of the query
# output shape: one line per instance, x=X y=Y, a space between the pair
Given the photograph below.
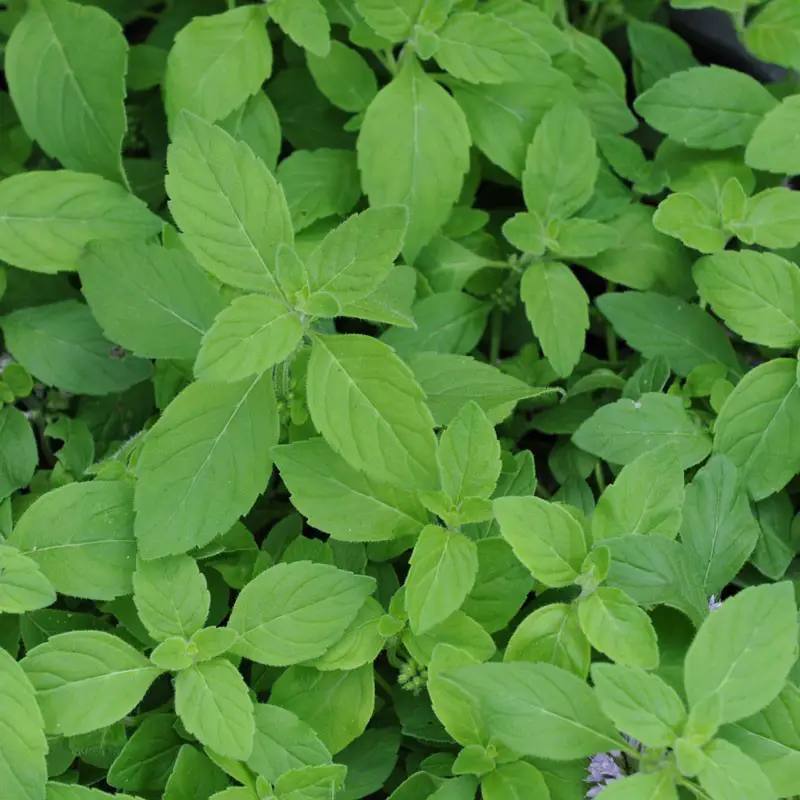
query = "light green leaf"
x=583 y=238
x=706 y=107
x=773 y=147
x=311 y=783
x=392 y=19
x=727 y=772
x=551 y=635
x=318 y=184
x=171 y=596
x=357 y=373
x=81 y=537
x=756 y=424
x=152 y=300
x=232 y=213
x=185 y=495
x=256 y=124
x=775 y=548
x=19 y=449
x=646 y=498
x=616 y=626
x=536 y=709
x=773 y=34
x=527 y=232
x=443 y=568
x=337 y=705
x=744 y=650
x=561 y=165
x=686 y=218
x=148 y=756
x=47 y=218
x=771 y=219
x=411 y=124
x=248 y=337
x=657 y=53
x=66 y=65
x=193 y=775
x=391 y=301
x=294 y=612
x=458 y=630
x=558 y=309
x=85 y=680
x=545 y=537
x=216 y=63
x=668 y=326
x=172 y=654
x=484 y=48
x=23 y=746
x=213 y=702
x=620 y=432
x=639 y=703
x=305 y=22
x=283 y=742
x=718 y=530
x=344 y=77
x=23 y=587
x=349 y=505
x=652 y=786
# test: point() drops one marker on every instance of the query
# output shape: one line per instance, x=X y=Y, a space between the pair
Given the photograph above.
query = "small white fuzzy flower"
x=714 y=602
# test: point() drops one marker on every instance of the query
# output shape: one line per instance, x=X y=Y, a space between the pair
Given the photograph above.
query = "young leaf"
x=23 y=587
x=85 y=680
x=756 y=424
x=213 y=702
x=744 y=650
x=81 y=537
x=154 y=301
x=558 y=309
x=583 y=238
x=256 y=124
x=47 y=218
x=772 y=146
x=185 y=496
x=66 y=65
x=216 y=63
x=770 y=219
x=687 y=218
x=252 y=334
x=391 y=19
x=171 y=596
x=307 y=782
x=774 y=32
x=294 y=612
x=718 y=530
x=356 y=373
x=411 y=124
x=616 y=626
x=344 y=77
x=545 y=537
x=646 y=498
x=305 y=22
x=706 y=107
x=18 y=445
x=513 y=780
x=443 y=568
x=727 y=771
x=232 y=213
x=756 y=294
x=653 y=786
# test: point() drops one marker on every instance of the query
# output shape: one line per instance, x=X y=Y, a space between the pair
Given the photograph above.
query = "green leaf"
x=66 y=65
x=248 y=337
x=484 y=48
x=22 y=743
x=657 y=53
x=551 y=635
x=216 y=63
x=171 y=596
x=561 y=164
x=706 y=107
x=773 y=147
x=744 y=650
x=349 y=505
x=256 y=124
x=172 y=655
x=194 y=775
x=458 y=630
x=20 y=454
x=773 y=34
x=392 y=19
x=583 y=238
x=639 y=703
x=718 y=530
x=344 y=77
x=645 y=498
x=536 y=709
x=23 y=587
x=213 y=702
x=754 y=428
x=687 y=218
x=295 y=612
x=283 y=742
x=616 y=626
x=412 y=123
x=337 y=705
x=443 y=568
x=81 y=537
x=208 y=432
x=85 y=680
x=215 y=185
x=354 y=373
x=61 y=345
x=771 y=219
x=512 y=782
x=305 y=22
x=728 y=772
x=146 y=759
x=620 y=432
x=558 y=309
x=545 y=537
x=775 y=548
x=656 y=325
x=370 y=760
x=47 y=218
x=154 y=301
x=653 y=786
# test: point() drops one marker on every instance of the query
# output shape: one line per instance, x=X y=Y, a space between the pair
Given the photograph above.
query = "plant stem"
x=611 y=337
x=496 y=335
x=598 y=476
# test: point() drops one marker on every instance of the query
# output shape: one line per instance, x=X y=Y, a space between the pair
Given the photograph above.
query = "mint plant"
x=398 y=399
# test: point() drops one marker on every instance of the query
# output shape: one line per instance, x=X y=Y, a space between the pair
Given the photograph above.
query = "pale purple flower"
x=602 y=770
x=714 y=602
